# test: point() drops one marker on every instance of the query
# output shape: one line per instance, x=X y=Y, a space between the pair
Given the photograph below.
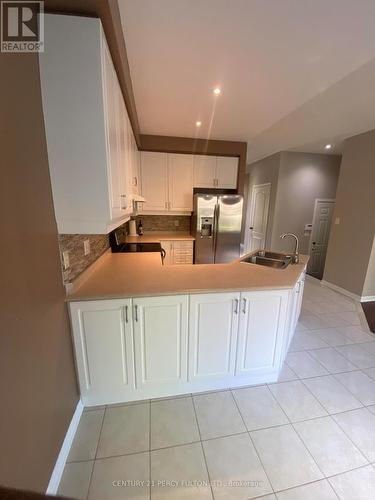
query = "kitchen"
x=168 y=312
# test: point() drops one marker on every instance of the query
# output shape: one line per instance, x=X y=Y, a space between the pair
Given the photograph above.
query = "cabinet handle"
x=214 y=182
x=244 y=305
x=236 y=306
x=123 y=204
x=136 y=312
x=126 y=314
x=166 y=205
x=135 y=181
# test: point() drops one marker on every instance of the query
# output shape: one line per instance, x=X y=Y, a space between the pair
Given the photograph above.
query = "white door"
x=103 y=340
x=226 y=172
x=160 y=340
x=204 y=171
x=213 y=325
x=257 y=217
x=180 y=182
x=154 y=181
x=319 y=236
x=260 y=335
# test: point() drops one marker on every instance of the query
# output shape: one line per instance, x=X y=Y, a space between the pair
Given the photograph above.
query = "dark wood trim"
x=189 y=145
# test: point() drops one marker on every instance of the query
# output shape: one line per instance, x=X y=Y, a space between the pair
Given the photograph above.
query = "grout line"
x=202 y=447
x=252 y=442
x=96 y=452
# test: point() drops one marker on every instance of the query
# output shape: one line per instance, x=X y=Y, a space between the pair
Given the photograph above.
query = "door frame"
x=250 y=212
x=318 y=200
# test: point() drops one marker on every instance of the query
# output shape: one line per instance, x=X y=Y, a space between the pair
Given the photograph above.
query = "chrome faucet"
x=296 y=248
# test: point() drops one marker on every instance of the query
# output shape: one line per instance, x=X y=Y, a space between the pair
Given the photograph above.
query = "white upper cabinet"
x=180 y=182
x=215 y=172
x=86 y=127
x=226 y=172
x=204 y=171
x=154 y=181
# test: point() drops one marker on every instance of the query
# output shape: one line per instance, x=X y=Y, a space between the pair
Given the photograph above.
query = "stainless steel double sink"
x=268 y=259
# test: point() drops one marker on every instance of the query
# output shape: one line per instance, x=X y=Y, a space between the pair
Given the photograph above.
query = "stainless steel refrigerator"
x=217 y=227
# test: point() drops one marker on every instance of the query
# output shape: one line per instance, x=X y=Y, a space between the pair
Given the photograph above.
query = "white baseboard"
x=336 y=288
x=64 y=452
x=357 y=298
x=368 y=298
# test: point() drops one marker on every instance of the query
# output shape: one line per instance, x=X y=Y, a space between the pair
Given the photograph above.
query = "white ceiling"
x=290 y=70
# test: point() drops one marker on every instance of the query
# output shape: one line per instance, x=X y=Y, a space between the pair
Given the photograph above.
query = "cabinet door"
x=226 y=172
x=111 y=91
x=154 y=181
x=168 y=247
x=213 y=325
x=103 y=341
x=204 y=171
x=135 y=167
x=160 y=340
x=261 y=331
x=183 y=252
x=180 y=182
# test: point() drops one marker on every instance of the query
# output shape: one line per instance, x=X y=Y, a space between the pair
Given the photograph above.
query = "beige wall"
x=351 y=241
x=37 y=376
x=303 y=178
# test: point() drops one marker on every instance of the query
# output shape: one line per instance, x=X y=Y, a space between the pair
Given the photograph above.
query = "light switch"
x=66 y=263
x=86 y=247
x=337 y=220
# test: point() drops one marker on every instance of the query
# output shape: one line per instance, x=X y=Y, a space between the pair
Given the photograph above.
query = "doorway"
x=321 y=225
x=257 y=217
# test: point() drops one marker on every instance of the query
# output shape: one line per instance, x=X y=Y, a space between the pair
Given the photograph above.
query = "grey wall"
x=37 y=376
x=263 y=172
x=297 y=179
x=351 y=241
x=302 y=178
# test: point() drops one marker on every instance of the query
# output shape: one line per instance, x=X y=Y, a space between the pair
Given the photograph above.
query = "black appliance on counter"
x=118 y=243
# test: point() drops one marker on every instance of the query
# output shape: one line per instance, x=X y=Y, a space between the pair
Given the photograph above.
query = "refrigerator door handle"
x=216 y=224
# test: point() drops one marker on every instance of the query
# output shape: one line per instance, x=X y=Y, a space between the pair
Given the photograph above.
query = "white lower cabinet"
x=103 y=342
x=178 y=252
x=160 y=341
x=294 y=311
x=213 y=324
x=140 y=348
x=262 y=326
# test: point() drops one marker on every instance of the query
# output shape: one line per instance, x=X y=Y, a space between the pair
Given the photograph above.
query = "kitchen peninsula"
x=143 y=330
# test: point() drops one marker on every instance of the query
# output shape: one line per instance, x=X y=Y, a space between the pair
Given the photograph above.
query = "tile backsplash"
x=99 y=243
x=78 y=261
x=165 y=222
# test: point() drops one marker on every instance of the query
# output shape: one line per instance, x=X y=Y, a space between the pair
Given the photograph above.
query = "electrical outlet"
x=66 y=263
x=337 y=220
x=86 y=247
x=176 y=223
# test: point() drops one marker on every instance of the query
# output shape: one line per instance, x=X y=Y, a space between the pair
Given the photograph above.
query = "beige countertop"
x=125 y=275
x=155 y=237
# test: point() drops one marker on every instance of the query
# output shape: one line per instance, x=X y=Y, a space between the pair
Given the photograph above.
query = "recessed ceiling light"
x=217 y=91
x=327 y=146
x=198 y=124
